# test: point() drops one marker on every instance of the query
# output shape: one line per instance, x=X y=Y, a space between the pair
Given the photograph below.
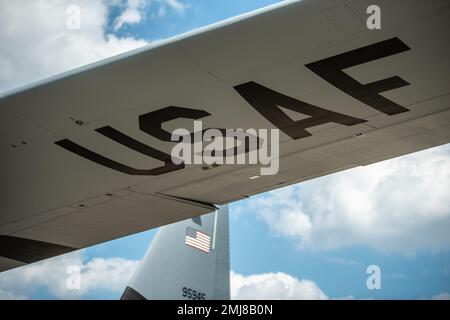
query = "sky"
x=300 y=242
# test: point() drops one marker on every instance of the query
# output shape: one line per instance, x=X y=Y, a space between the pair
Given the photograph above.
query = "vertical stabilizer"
x=186 y=260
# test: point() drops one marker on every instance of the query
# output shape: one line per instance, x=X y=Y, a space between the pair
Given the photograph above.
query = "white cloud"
x=177 y=5
x=36 y=42
x=132 y=14
x=273 y=286
x=399 y=205
x=442 y=296
x=111 y=275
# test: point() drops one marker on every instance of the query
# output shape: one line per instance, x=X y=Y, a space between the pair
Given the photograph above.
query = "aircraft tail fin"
x=186 y=260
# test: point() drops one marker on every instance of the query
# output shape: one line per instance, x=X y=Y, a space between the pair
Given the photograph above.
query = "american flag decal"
x=197 y=239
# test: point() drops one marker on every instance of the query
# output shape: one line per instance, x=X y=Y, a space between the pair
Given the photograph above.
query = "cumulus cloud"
x=111 y=275
x=132 y=14
x=273 y=286
x=135 y=11
x=37 y=43
x=400 y=205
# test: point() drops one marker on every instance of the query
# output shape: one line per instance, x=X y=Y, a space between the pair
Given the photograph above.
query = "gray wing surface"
x=84 y=155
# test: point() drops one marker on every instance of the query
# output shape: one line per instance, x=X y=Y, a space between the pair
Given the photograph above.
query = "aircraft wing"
x=85 y=156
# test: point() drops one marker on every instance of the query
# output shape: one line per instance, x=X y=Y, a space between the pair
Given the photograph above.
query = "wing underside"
x=85 y=156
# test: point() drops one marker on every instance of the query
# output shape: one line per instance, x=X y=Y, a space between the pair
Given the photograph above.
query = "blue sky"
x=286 y=231
x=197 y=14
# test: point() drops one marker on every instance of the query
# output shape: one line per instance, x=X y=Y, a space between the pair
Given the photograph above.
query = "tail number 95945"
x=192 y=294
